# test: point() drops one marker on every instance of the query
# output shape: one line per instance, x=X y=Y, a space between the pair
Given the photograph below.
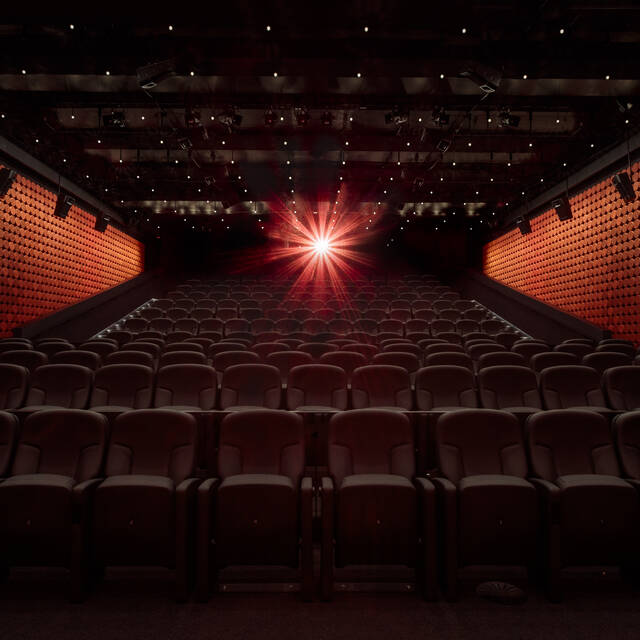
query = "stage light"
x=7 y=176
x=326 y=118
x=321 y=246
x=524 y=225
x=270 y=117
x=563 y=208
x=102 y=222
x=63 y=204
x=624 y=186
x=302 y=116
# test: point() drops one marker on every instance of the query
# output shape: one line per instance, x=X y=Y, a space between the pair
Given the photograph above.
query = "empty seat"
x=177 y=336
x=131 y=357
x=59 y=385
x=497 y=358
x=428 y=315
x=340 y=326
x=317 y=349
x=620 y=347
x=186 y=387
x=492 y=327
x=237 y=325
x=544 y=359
x=381 y=385
x=374 y=510
x=250 y=385
x=51 y=348
x=212 y=325
x=579 y=350
x=147 y=347
x=144 y=510
x=626 y=430
x=477 y=350
x=450 y=314
x=603 y=360
x=182 y=357
x=489 y=509
x=317 y=387
x=346 y=360
x=528 y=349
x=404 y=359
x=15 y=345
x=445 y=387
x=224 y=359
x=287 y=325
x=184 y=346
x=103 y=349
x=119 y=387
x=506 y=338
x=509 y=387
x=189 y=325
x=27 y=358
x=622 y=387
x=442 y=347
x=465 y=326
x=262 y=325
x=121 y=337
x=449 y=358
x=161 y=325
x=595 y=515
x=571 y=386
x=150 y=313
x=88 y=359
x=135 y=324
x=267 y=336
x=366 y=325
x=9 y=429
x=13 y=385
x=259 y=510
x=285 y=360
x=394 y=327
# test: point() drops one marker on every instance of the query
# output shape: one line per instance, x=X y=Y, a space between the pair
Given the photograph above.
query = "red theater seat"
x=250 y=385
x=318 y=387
x=59 y=385
x=13 y=385
x=186 y=387
x=120 y=387
x=445 y=387
x=381 y=386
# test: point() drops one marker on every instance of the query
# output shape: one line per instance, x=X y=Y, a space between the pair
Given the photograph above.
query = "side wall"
x=588 y=266
x=47 y=263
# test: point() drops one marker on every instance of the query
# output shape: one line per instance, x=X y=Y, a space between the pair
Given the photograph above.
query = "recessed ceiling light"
x=24 y=71
x=192 y=73
x=170 y=27
x=442 y=76
x=359 y=75
x=524 y=76
x=607 y=77
x=275 y=74
x=464 y=30
x=268 y=28
x=108 y=73
x=366 y=29
x=561 y=32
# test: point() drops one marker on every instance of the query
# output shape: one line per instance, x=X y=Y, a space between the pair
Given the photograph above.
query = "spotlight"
x=7 y=176
x=326 y=118
x=270 y=117
x=114 y=120
x=563 y=208
x=321 y=246
x=624 y=186
x=302 y=116
x=507 y=121
x=397 y=117
x=102 y=222
x=152 y=75
x=524 y=225
x=440 y=117
x=63 y=204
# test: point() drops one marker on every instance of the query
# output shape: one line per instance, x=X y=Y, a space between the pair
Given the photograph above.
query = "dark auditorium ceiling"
x=381 y=98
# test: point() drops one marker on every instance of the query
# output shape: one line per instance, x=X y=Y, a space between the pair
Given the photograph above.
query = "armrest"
x=206 y=491
x=327 y=492
x=549 y=495
x=306 y=530
x=447 y=493
x=185 y=526
x=205 y=498
x=81 y=495
x=428 y=534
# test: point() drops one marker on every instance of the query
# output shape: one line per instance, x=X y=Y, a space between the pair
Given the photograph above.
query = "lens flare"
x=321 y=245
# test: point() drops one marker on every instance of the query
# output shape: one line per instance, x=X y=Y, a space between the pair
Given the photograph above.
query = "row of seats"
x=563 y=495
x=315 y=387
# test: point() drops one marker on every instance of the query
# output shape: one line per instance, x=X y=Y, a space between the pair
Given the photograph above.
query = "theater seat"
x=622 y=387
x=131 y=357
x=348 y=361
x=626 y=430
x=259 y=510
x=449 y=358
x=445 y=387
x=144 y=510
x=121 y=387
x=186 y=387
x=27 y=358
x=510 y=388
x=88 y=359
x=286 y=359
x=490 y=512
x=182 y=357
x=59 y=385
x=46 y=498
x=590 y=514
x=571 y=386
x=544 y=359
x=603 y=360
x=500 y=358
x=381 y=385
x=250 y=385
x=318 y=387
x=374 y=510
x=8 y=438
x=13 y=385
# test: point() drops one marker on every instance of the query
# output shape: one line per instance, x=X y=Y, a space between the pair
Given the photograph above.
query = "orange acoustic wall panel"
x=588 y=266
x=48 y=263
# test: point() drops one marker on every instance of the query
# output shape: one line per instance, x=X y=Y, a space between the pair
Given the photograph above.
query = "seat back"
x=408 y=361
x=381 y=385
x=505 y=386
x=445 y=386
x=370 y=441
x=263 y=441
x=67 y=442
x=124 y=385
x=25 y=358
x=8 y=438
x=570 y=441
x=317 y=385
x=626 y=430
x=622 y=386
x=155 y=442
x=479 y=441
x=193 y=385
x=88 y=359
x=348 y=361
x=569 y=386
x=13 y=385
x=60 y=385
x=544 y=359
x=254 y=385
x=501 y=358
x=603 y=360
x=450 y=358
x=286 y=359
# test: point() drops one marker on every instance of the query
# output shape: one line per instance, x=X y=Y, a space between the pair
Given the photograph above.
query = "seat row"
x=564 y=494
x=319 y=387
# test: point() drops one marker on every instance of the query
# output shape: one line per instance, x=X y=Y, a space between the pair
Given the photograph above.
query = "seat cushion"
x=38 y=508
x=133 y=520
x=599 y=518
x=376 y=520
x=498 y=520
x=256 y=520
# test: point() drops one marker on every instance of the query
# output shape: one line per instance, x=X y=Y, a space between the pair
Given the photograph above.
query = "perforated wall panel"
x=47 y=263
x=588 y=266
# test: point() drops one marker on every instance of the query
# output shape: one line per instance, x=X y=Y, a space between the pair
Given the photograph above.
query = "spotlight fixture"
x=185 y=144
x=440 y=117
x=624 y=186
x=506 y=120
x=302 y=116
x=7 y=176
x=152 y=75
x=397 y=117
x=326 y=118
x=563 y=208
x=443 y=145
x=114 y=120
x=270 y=117
x=63 y=204
x=102 y=222
x=524 y=225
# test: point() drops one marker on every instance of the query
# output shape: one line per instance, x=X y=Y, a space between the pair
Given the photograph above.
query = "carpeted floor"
x=140 y=606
